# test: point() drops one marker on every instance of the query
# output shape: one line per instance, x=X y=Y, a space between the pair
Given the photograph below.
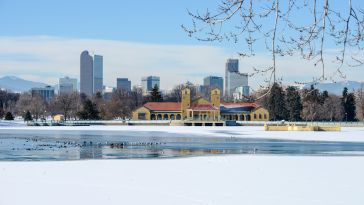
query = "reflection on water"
x=74 y=145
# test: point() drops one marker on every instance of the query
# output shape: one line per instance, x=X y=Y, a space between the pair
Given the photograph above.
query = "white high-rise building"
x=67 y=85
x=233 y=78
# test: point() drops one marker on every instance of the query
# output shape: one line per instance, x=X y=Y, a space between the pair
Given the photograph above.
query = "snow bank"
x=12 y=123
x=346 y=135
x=245 y=179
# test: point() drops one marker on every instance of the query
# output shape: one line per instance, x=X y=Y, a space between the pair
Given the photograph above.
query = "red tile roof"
x=163 y=106
x=203 y=107
x=240 y=104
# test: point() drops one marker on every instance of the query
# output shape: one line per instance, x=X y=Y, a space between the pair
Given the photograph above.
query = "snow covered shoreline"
x=244 y=179
x=346 y=135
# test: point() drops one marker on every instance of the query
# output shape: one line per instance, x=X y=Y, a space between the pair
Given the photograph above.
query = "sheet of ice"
x=254 y=180
x=354 y=134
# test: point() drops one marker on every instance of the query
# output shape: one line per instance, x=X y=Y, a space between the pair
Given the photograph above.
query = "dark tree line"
x=7 y=103
x=283 y=104
x=310 y=105
x=74 y=105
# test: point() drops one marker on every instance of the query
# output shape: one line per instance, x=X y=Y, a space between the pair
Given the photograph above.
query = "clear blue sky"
x=148 y=22
x=156 y=21
x=152 y=21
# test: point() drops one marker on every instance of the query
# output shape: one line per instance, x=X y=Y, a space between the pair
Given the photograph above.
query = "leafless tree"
x=331 y=109
x=65 y=104
x=309 y=28
x=310 y=110
x=37 y=106
x=122 y=104
x=176 y=93
x=137 y=97
x=33 y=103
x=8 y=101
x=23 y=104
x=360 y=103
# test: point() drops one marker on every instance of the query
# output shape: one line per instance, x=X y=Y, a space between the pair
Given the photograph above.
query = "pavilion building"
x=201 y=109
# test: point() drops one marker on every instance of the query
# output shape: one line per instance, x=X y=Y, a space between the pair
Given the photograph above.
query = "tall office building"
x=123 y=84
x=47 y=93
x=233 y=78
x=214 y=82
x=86 y=74
x=67 y=85
x=149 y=82
x=98 y=74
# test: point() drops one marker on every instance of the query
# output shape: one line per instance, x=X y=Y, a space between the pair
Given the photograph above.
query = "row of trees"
x=79 y=106
x=313 y=105
x=283 y=104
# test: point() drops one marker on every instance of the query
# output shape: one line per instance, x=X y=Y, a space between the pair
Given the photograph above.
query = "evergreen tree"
x=323 y=96
x=89 y=111
x=276 y=103
x=9 y=116
x=294 y=105
x=2 y=113
x=313 y=95
x=156 y=95
x=28 y=116
x=348 y=102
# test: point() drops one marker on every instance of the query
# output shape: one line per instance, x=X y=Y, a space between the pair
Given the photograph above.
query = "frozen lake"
x=244 y=165
x=36 y=144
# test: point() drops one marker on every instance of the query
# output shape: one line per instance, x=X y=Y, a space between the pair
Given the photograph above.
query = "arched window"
x=172 y=117
x=265 y=116
x=152 y=116
x=248 y=118
x=255 y=116
x=242 y=118
x=165 y=117
x=159 y=117
x=260 y=116
x=178 y=117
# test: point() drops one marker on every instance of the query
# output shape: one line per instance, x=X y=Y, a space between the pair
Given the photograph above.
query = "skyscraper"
x=233 y=78
x=149 y=82
x=67 y=85
x=98 y=73
x=212 y=82
x=86 y=74
x=123 y=84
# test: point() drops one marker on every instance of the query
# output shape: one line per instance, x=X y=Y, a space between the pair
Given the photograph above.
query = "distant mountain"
x=16 y=84
x=338 y=87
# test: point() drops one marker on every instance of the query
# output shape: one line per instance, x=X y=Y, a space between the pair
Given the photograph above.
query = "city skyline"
x=45 y=45
x=183 y=64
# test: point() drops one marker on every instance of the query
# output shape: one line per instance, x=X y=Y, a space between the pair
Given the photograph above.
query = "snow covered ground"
x=12 y=123
x=353 y=134
x=248 y=179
